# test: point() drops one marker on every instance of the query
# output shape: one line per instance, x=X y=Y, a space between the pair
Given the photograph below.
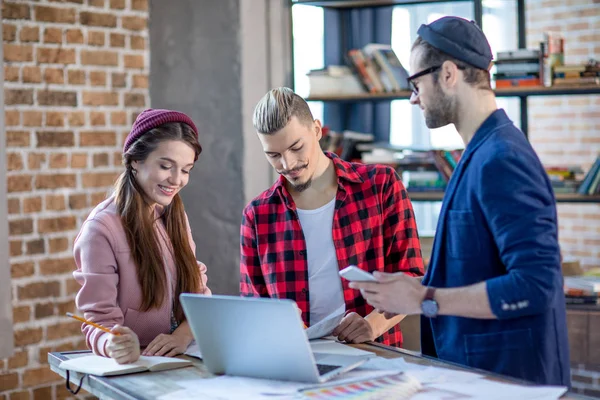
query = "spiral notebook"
x=103 y=366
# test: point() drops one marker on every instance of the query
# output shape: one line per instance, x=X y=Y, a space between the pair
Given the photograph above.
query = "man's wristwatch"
x=429 y=306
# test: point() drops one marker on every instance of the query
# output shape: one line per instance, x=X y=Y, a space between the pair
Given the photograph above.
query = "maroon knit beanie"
x=152 y=118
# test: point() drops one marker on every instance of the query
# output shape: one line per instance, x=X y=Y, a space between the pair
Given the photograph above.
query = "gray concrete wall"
x=6 y=331
x=212 y=60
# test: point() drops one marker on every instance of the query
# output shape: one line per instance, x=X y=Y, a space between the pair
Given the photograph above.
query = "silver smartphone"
x=353 y=273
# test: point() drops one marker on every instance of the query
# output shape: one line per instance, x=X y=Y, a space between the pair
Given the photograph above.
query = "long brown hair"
x=138 y=222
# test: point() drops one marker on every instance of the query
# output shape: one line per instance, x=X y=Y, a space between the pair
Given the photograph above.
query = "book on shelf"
x=591 y=182
x=378 y=68
x=338 y=79
x=588 y=285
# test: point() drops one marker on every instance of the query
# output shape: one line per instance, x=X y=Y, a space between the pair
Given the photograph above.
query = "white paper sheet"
x=236 y=387
x=333 y=347
x=327 y=324
x=490 y=390
x=193 y=350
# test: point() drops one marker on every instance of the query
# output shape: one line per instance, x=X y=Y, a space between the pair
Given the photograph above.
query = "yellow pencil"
x=95 y=325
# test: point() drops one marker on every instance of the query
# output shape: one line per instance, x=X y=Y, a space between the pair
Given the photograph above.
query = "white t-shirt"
x=325 y=285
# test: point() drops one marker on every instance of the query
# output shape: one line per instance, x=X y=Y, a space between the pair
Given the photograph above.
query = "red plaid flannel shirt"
x=373 y=227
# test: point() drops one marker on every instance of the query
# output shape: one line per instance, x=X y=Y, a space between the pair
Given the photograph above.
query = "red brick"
x=17 y=139
x=18 y=96
x=96 y=38
x=118 y=118
x=55 y=139
x=78 y=201
x=59 y=224
x=43 y=393
x=97 y=118
x=117 y=4
x=99 y=57
x=12 y=118
x=98 y=138
x=97 y=198
x=20 y=395
x=36 y=160
x=9 y=32
x=21 y=314
x=117 y=40
x=14 y=161
x=58 y=245
x=38 y=376
x=18 y=360
x=55 y=55
x=18 y=52
x=98 y=19
x=15 y=11
x=63 y=329
x=32 y=74
x=55 y=118
x=79 y=160
x=29 y=34
x=135 y=100
x=56 y=98
x=54 y=14
x=14 y=206
x=58 y=160
x=100 y=160
x=43 y=310
x=103 y=179
x=76 y=77
x=19 y=183
x=28 y=336
x=98 y=78
x=134 y=23
x=20 y=226
x=32 y=204
x=133 y=61
x=53 y=35
x=11 y=74
x=15 y=248
x=66 y=306
x=119 y=80
x=58 y=266
x=55 y=181
x=140 y=81
x=54 y=75
x=76 y=118
x=32 y=118
x=141 y=5
x=9 y=381
x=36 y=246
x=21 y=270
x=74 y=36
x=137 y=42
x=100 y=98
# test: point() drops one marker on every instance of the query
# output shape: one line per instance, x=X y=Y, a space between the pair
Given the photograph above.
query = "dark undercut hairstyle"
x=431 y=56
x=277 y=107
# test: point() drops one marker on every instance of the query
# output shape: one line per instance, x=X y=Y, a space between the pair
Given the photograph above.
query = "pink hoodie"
x=110 y=292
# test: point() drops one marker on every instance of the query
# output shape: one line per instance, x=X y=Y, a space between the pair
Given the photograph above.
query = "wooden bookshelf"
x=560 y=197
x=511 y=92
x=339 y=4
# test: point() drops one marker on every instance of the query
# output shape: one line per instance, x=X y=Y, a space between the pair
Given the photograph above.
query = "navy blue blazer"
x=498 y=224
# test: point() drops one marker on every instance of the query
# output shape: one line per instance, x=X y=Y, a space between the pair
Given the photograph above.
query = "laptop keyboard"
x=323 y=369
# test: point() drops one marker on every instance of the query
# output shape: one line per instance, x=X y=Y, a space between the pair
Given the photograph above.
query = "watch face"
x=429 y=308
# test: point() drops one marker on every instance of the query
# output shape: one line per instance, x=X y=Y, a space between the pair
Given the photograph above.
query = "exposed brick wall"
x=76 y=75
x=565 y=130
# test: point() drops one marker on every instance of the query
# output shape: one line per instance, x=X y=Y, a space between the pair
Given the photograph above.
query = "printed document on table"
x=327 y=324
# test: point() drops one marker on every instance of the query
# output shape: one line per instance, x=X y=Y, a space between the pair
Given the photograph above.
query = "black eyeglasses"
x=429 y=70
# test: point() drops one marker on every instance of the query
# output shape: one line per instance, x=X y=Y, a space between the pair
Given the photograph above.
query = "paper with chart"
x=327 y=324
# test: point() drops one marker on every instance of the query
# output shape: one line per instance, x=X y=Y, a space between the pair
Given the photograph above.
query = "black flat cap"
x=460 y=38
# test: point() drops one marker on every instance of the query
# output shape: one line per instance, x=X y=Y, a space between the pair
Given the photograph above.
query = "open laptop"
x=260 y=338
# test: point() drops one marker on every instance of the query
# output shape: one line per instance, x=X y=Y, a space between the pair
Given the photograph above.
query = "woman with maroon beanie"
x=135 y=252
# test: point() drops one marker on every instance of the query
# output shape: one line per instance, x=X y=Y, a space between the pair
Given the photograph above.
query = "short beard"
x=441 y=113
x=301 y=187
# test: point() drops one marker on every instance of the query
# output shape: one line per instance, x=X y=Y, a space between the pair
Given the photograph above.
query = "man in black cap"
x=492 y=297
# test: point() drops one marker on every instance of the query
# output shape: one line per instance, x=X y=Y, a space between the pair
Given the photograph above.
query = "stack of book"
x=517 y=68
x=582 y=289
x=573 y=74
x=378 y=68
x=564 y=179
x=591 y=182
x=345 y=144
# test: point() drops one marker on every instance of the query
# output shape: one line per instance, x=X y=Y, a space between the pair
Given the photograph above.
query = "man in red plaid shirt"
x=323 y=214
